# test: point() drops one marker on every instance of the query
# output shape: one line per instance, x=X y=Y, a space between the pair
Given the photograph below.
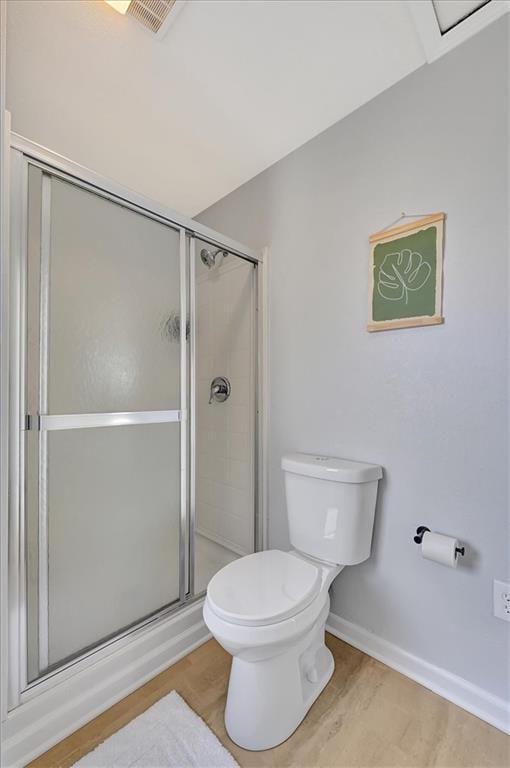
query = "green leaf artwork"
x=405 y=274
x=402 y=272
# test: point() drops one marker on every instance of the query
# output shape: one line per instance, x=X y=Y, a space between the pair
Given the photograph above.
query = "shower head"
x=212 y=259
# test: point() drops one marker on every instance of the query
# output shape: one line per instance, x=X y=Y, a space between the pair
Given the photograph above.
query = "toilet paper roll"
x=440 y=548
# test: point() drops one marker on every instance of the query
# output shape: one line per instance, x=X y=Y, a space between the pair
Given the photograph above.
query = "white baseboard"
x=456 y=689
x=46 y=719
x=42 y=722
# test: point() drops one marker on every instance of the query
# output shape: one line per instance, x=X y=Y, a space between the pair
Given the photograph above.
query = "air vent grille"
x=151 y=13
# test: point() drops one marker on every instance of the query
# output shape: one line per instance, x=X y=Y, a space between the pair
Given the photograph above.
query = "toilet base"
x=268 y=699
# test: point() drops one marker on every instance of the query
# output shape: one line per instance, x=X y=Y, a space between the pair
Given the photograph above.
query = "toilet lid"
x=263 y=588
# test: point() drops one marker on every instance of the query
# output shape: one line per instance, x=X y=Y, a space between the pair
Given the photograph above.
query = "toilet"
x=269 y=609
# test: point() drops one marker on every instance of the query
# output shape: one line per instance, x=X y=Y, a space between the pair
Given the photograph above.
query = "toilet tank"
x=331 y=506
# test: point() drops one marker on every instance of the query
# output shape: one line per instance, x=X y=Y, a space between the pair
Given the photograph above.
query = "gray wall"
x=428 y=404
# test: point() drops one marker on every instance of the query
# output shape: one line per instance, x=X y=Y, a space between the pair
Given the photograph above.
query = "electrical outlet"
x=502 y=600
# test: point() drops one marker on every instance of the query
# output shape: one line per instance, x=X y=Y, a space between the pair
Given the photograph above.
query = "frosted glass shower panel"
x=104 y=437
x=113 y=301
x=113 y=531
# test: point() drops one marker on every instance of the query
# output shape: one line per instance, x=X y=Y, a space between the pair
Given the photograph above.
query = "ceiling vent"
x=153 y=14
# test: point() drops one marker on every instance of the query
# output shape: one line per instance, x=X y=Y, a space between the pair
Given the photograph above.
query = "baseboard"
x=39 y=724
x=456 y=689
x=42 y=722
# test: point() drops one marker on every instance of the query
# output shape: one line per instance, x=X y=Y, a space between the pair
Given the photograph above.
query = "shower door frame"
x=23 y=153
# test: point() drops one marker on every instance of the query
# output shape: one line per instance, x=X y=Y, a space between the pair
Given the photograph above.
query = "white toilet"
x=269 y=609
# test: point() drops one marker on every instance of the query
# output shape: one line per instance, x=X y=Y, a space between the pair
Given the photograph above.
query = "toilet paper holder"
x=423 y=529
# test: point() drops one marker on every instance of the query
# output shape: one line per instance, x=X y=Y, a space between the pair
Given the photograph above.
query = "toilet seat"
x=264 y=588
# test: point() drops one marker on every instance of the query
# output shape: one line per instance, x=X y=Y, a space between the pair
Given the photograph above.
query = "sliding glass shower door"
x=134 y=413
x=104 y=391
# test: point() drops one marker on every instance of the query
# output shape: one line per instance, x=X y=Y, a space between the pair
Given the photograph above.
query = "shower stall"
x=135 y=409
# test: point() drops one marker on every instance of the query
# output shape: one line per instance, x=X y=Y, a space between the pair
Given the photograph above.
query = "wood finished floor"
x=368 y=716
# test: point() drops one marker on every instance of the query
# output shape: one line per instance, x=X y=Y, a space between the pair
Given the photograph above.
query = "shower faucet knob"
x=220 y=390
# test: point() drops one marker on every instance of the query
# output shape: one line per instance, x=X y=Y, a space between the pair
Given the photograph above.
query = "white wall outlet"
x=502 y=600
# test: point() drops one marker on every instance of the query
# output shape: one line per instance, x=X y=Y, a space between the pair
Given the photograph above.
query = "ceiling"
x=233 y=86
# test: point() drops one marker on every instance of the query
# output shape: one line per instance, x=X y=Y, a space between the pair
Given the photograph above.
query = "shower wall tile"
x=239 y=446
x=239 y=473
x=241 y=391
x=225 y=431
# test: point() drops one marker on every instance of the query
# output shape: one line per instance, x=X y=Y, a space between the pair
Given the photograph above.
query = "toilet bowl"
x=269 y=609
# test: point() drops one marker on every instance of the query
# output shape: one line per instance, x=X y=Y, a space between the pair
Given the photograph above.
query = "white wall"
x=428 y=404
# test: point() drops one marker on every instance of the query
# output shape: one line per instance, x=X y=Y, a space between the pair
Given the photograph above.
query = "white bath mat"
x=168 y=735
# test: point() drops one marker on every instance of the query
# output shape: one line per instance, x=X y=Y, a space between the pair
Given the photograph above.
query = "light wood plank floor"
x=368 y=715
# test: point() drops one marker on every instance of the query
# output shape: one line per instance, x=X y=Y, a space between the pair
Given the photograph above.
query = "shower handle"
x=220 y=390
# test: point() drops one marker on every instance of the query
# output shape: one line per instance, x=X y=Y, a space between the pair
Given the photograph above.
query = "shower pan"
x=136 y=407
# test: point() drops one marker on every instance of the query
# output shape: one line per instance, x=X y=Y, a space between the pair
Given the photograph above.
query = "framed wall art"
x=406 y=275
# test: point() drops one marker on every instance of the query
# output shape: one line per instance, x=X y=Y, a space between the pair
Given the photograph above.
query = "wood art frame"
x=406 y=275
